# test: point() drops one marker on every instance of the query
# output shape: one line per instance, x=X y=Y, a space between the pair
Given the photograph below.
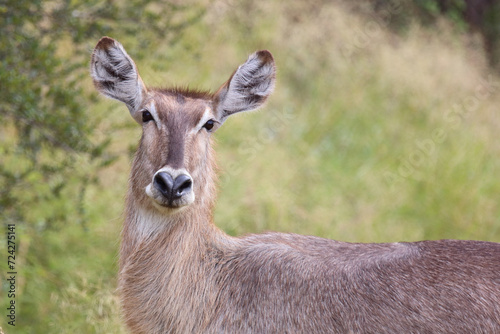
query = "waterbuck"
x=179 y=273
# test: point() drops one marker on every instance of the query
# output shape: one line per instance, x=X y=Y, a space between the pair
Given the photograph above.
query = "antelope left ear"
x=115 y=75
x=248 y=87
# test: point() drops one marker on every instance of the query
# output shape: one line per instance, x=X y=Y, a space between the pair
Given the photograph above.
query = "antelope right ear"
x=115 y=75
x=248 y=87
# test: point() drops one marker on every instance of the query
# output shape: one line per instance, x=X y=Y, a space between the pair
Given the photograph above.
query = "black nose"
x=172 y=189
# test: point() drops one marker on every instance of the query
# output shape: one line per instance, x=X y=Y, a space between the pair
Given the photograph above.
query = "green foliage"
x=491 y=31
x=472 y=15
x=454 y=10
x=465 y=15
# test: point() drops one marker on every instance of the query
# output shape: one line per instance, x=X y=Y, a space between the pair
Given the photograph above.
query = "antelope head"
x=173 y=166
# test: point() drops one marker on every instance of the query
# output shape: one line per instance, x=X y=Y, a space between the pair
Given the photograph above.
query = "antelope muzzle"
x=171 y=188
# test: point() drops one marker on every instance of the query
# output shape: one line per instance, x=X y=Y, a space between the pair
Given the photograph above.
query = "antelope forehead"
x=192 y=118
x=190 y=113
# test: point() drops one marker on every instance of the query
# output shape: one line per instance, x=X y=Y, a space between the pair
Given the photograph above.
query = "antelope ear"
x=248 y=87
x=115 y=74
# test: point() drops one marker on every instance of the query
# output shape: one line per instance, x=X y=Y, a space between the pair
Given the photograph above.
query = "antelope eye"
x=209 y=125
x=146 y=116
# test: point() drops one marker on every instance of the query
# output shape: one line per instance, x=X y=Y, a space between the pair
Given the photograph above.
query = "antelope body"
x=179 y=273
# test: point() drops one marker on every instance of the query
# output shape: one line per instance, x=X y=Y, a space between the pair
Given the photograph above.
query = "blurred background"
x=384 y=126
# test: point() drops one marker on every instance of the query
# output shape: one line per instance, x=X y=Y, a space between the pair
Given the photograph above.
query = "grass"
x=369 y=137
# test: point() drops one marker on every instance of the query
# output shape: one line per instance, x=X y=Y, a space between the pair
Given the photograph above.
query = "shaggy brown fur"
x=180 y=274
